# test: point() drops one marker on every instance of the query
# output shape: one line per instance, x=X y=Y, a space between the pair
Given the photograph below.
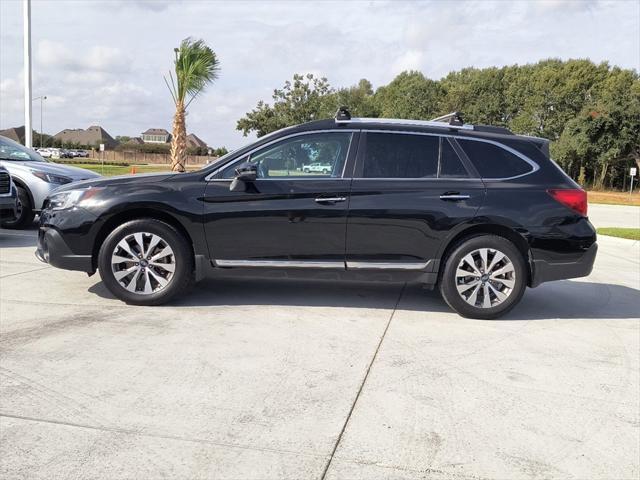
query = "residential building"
x=15 y=133
x=193 y=141
x=92 y=137
x=156 y=135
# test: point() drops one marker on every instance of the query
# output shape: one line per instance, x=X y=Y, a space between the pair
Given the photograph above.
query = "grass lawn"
x=614 y=198
x=630 y=233
x=111 y=170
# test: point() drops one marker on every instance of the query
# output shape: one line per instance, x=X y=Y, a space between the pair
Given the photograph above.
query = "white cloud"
x=96 y=58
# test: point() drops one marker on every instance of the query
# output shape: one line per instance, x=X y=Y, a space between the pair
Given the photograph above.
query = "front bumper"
x=52 y=249
x=571 y=266
x=7 y=207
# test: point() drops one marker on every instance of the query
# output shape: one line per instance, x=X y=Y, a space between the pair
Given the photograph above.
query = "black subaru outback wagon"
x=475 y=210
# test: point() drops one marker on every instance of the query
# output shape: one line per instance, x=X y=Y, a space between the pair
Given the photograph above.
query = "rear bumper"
x=52 y=249
x=573 y=265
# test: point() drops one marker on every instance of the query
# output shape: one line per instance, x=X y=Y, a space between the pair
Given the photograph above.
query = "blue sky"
x=102 y=61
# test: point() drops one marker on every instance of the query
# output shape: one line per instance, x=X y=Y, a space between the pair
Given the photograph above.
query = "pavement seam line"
x=22 y=273
x=364 y=380
x=126 y=431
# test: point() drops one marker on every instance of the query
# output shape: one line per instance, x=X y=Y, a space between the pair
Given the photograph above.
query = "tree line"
x=590 y=112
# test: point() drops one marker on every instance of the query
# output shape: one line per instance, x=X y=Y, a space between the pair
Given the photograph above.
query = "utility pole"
x=28 y=129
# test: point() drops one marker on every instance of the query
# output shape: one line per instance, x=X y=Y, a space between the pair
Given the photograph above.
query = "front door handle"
x=330 y=199
x=454 y=196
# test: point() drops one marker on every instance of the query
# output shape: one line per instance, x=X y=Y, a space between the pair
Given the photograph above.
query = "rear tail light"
x=575 y=199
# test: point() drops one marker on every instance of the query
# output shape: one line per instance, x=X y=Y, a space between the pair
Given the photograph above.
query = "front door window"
x=316 y=155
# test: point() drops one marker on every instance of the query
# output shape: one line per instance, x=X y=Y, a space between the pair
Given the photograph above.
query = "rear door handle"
x=454 y=196
x=330 y=199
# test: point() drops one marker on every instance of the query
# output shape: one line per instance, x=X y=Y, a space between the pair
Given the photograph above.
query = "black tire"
x=449 y=281
x=24 y=211
x=182 y=253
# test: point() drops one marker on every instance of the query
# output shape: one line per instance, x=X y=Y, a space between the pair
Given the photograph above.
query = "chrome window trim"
x=280 y=263
x=398 y=121
x=386 y=265
x=209 y=178
x=534 y=165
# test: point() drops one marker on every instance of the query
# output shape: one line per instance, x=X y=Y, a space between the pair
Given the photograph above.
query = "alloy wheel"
x=485 y=278
x=143 y=263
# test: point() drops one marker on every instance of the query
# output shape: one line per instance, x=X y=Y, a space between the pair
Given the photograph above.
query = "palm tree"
x=196 y=66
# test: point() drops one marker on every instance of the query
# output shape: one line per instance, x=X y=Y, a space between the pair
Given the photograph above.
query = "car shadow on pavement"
x=567 y=299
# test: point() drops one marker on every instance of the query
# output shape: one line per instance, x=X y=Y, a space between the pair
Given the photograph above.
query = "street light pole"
x=28 y=130
x=41 y=98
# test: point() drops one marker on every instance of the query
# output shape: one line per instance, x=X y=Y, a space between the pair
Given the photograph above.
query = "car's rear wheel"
x=24 y=211
x=484 y=277
x=146 y=262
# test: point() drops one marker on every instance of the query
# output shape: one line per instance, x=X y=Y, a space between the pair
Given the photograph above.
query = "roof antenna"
x=343 y=115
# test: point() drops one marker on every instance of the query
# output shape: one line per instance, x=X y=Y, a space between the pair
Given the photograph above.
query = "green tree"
x=410 y=95
x=196 y=66
x=302 y=100
x=359 y=99
x=604 y=138
x=478 y=93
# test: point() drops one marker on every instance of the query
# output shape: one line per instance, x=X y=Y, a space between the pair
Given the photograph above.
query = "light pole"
x=28 y=132
x=41 y=98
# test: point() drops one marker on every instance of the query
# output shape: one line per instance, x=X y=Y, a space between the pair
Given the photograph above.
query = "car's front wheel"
x=24 y=211
x=146 y=262
x=484 y=277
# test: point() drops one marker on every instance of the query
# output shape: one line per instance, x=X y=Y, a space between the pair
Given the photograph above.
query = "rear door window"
x=403 y=155
x=397 y=155
x=450 y=164
x=493 y=161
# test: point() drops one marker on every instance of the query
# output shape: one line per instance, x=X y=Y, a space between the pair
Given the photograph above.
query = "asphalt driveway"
x=297 y=379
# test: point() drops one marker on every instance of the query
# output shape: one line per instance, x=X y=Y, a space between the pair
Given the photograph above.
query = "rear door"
x=409 y=191
x=292 y=215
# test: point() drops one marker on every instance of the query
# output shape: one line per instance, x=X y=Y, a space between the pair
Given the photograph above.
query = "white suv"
x=317 y=168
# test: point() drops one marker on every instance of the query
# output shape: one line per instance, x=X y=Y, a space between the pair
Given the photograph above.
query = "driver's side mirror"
x=245 y=172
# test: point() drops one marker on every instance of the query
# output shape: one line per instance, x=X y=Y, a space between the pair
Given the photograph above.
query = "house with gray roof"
x=193 y=141
x=156 y=135
x=91 y=137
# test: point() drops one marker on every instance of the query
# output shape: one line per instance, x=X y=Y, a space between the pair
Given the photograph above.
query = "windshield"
x=13 y=151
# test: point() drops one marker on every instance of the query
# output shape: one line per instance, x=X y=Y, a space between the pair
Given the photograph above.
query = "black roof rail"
x=493 y=129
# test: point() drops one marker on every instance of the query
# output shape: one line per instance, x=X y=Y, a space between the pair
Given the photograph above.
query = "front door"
x=294 y=214
x=409 y=191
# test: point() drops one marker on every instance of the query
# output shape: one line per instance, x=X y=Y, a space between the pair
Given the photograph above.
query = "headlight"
x=51 y=178
x=72 y=198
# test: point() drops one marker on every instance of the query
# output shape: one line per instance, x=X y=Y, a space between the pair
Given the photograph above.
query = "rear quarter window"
x=493 y=161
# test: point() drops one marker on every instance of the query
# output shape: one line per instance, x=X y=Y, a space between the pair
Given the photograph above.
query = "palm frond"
x=196 y=66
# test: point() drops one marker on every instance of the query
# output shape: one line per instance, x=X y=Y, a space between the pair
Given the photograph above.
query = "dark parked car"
x=475 y=210
x=8 y=196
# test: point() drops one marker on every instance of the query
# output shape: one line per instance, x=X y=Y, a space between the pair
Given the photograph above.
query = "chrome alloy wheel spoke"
x=485 y=278
x=143 y=263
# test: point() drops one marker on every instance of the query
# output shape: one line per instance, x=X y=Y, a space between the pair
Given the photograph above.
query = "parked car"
x=44 y=152
x=8 y=196
x=477 y=211
x=35 y=178
x=317 y=168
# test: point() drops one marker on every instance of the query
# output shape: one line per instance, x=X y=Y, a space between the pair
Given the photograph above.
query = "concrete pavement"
x=282 y=379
